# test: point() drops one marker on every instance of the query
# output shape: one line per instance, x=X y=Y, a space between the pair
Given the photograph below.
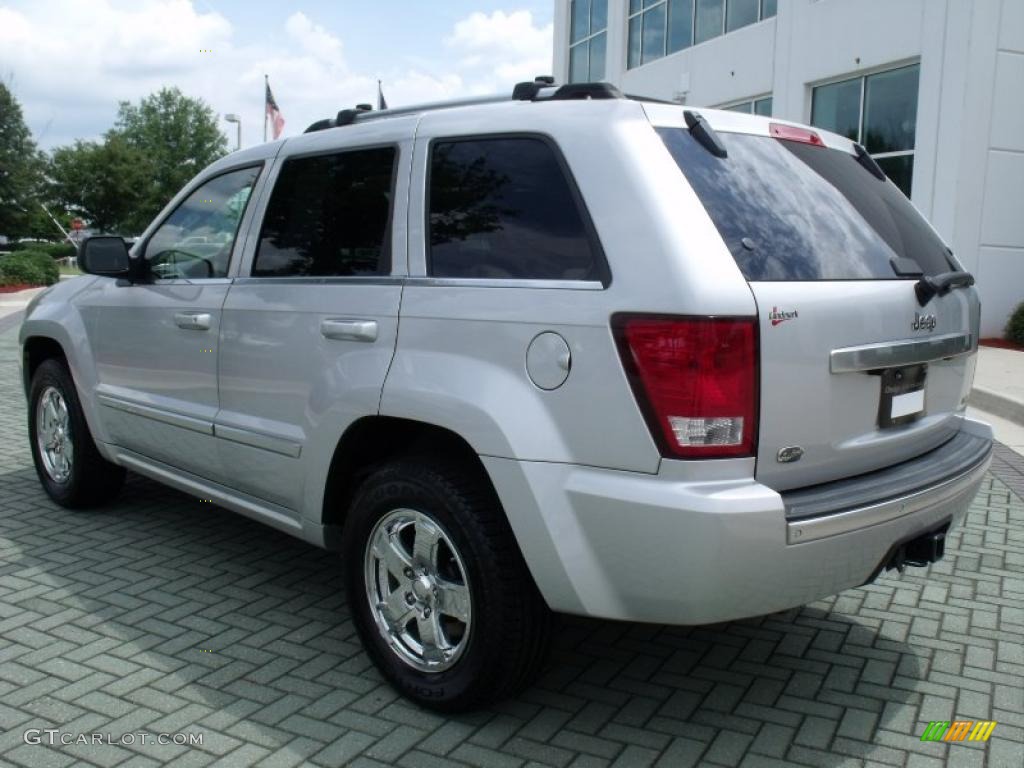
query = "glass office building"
x=932 y=91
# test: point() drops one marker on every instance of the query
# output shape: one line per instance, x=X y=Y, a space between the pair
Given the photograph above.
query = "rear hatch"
x=857 y=372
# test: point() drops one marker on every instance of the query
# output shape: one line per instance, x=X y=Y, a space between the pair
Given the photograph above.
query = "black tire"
x=92 y=480
x=510 y=632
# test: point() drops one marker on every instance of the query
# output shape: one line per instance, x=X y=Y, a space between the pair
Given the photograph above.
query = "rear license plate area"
x=902 y=398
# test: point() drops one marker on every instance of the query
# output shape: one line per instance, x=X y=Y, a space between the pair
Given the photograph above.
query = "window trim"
x=604 y=275
x=185 y=194
x=387 y=258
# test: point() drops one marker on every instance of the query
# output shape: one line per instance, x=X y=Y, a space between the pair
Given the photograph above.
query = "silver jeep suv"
x=566 y=351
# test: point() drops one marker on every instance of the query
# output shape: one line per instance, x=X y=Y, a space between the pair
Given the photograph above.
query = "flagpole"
x=64 y=231
x=266 y=85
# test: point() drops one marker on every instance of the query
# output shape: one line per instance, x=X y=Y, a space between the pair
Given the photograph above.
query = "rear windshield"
x=794 y=211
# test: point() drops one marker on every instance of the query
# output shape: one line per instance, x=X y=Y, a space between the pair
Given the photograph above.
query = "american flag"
x=276 y=119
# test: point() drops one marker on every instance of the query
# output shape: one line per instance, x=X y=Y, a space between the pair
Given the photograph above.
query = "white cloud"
x=70 y=62
x=501 y=33
x=314 y=39
x=503 y=47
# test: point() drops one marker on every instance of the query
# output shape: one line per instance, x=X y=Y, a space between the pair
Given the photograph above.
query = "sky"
x=69 y=62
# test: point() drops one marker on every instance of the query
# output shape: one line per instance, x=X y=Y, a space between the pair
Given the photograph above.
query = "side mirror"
x=107 y=256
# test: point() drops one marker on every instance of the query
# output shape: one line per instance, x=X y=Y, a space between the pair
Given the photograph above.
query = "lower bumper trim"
x=802 y=531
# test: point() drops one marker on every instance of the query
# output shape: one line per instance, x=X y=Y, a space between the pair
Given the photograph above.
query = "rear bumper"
x=701 y=542
x=878 y=497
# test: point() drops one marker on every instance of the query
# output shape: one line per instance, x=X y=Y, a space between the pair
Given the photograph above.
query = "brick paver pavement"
x=163 y=614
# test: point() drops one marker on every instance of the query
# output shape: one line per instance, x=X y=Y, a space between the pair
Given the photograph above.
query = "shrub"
x=60 y=250
x=14 y=270
x=30 y=267
x=54 y=250
x=1015 y=328
x=46 y=265
x=28 y=245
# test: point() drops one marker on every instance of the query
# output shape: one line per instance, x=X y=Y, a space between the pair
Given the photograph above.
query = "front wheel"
x=70 y=467
x=440 y=594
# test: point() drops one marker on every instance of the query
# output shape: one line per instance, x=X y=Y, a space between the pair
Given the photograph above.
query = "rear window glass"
x=503 y=208
x=793 y=211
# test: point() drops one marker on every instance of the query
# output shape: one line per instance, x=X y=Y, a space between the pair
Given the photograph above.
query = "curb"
x=997 y=404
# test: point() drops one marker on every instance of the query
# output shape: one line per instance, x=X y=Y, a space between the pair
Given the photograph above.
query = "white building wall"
x=1001 y=243
x=969 y=146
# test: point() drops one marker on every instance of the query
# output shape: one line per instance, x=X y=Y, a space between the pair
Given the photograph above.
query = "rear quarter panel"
x=462 y=345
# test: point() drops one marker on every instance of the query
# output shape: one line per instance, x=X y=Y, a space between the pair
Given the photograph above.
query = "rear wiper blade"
x=869 y=162
x=705 y=135
x=941 y=284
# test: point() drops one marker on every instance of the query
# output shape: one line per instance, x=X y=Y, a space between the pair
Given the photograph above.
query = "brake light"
x=792 y=133
x=695 y=379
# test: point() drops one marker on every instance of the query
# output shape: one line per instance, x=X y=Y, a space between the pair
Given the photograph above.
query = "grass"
x=65 y=270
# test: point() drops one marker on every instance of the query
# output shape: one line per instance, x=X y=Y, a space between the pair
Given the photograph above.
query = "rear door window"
x=793 y=211
x=329 y=215
x=504 y=208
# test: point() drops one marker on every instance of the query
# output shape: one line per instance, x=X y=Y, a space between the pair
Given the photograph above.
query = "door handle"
x=193 y=321
x=349 y=330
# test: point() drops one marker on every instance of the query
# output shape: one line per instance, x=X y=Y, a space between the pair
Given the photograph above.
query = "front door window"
x=196 y=240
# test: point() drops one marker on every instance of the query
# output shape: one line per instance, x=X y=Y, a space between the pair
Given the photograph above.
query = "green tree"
x=177 y=134
x=40 y=226
x=107 y=183
x=21 y=169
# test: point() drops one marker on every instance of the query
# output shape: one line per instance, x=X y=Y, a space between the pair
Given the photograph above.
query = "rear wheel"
x=70 y=467
x=440 y=594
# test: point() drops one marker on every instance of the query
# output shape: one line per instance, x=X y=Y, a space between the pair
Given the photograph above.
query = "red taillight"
x=696 y=381
x=792 y=133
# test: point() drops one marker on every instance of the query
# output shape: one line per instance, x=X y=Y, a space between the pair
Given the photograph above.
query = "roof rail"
x=540 y=89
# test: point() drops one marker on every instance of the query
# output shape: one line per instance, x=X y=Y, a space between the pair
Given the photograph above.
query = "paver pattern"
x=164 y=614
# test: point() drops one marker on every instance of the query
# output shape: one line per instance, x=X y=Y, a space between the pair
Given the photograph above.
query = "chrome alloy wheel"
x=418 y=591
x=53 y=435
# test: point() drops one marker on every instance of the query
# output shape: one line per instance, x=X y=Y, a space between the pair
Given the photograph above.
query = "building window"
x=759 y=106
x=588 y=20
x=878 y=111
x=661 y=27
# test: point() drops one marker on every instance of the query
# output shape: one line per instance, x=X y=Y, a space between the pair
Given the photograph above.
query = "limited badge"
x=777 y=316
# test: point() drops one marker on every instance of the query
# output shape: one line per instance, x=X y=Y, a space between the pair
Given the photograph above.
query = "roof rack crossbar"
x=540 y=89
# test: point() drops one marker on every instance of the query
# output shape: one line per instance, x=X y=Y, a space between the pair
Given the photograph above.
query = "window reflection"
x=890 y=110
x=740 y=13
x=588 y=20
x=806 y=213
x=503 y=208
x=836 y=108
x=761 y=106
x=661 y=27
x=329 y=216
